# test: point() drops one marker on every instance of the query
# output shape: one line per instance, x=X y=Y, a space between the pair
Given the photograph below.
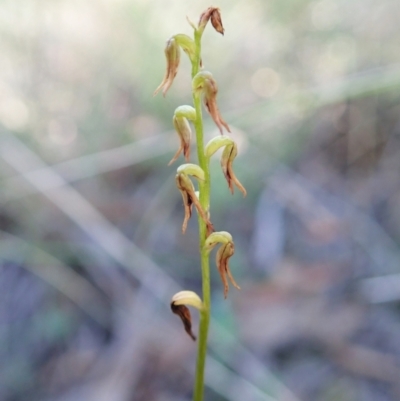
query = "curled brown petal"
x=183 y=312
x=222 y=260
x=214 y=14
x=216 y=21
x=204 y=84
x=187 y=203
x=228 y=155
x=210 y=101
x=189 y=197
x=172 y=54
x=182 y=128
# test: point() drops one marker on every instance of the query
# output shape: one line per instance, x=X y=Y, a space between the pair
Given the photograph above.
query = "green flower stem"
x=204 y=189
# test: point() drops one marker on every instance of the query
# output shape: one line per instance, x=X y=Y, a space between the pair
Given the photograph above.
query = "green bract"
x=191 y=169
x=216 y=143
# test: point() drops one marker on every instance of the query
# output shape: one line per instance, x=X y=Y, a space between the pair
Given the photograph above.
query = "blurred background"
x=91 y=249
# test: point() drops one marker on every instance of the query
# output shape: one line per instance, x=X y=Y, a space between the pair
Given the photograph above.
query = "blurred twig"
x=153 y=211
x=237 y=389
x=91 y=165
x=381 y=289
x=55 y=273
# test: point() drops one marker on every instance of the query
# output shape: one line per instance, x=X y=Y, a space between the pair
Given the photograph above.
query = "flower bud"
x=214 y=14
x=228 y=155
x=173 y=55
x=226 y=250
x=204 y=83
x=216 y=21
x=189 y=197
x=182 y=127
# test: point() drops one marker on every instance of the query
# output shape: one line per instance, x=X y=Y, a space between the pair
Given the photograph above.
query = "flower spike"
x=178 y=306
x=226 y=250
x=180 y=120
x=173 y=56
x=204 y=83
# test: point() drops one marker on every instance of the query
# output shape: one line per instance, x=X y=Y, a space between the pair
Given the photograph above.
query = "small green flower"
x=228 y=155
x=190 y=198
x=204 y=83
x=182 y=127
x=178 y=306
x=224 y=253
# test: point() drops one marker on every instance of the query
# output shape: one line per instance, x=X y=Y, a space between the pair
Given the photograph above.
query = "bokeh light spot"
x=62 y=131
x=266 y=82
x=324 y=15
x=14 y=113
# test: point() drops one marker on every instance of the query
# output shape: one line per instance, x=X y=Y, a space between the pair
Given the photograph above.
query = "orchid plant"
x=204 y=88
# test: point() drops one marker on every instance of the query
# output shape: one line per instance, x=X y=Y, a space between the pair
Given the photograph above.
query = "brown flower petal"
x=214 y=14
x=187 y=204
x=228 y=155
x=183 y=312
x=189 y=197
x=204 y=83
x=210 y=101
x=182 y=127
x=216 y=21
x=222 y=260
x=173 y=55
